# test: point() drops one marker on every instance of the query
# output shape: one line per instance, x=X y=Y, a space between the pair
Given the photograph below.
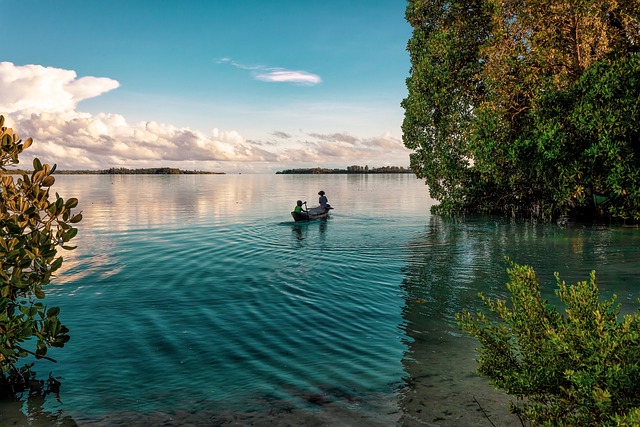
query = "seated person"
x=323 y=200
x=298 y=208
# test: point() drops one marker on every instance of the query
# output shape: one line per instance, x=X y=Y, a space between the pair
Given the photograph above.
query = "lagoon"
x=195 y=299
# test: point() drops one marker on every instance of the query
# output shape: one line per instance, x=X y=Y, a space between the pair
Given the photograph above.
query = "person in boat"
x=323 y=200
x=298 y=208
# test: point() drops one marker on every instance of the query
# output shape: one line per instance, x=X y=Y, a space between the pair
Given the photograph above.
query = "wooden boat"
x=313 y=213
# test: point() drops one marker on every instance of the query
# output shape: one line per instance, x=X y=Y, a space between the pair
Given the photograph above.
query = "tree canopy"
x=526 y=108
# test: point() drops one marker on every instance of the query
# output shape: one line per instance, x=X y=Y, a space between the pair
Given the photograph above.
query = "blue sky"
x=231 y=86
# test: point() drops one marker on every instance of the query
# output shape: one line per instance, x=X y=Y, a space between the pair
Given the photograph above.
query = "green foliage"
x=445 y=57
x=32 y=227
x=577 y=367
x=526 y=108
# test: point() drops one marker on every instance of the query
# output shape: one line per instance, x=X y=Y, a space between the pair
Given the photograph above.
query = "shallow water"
x=197 y=299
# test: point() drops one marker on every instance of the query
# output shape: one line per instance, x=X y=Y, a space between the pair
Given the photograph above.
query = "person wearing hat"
x=323 y=200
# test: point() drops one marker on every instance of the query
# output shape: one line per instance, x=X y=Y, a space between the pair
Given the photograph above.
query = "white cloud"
x=38 y=88
x=277 y=75
x=41 y=102
x=343 y=149
x=107 y=136
x=284 y=76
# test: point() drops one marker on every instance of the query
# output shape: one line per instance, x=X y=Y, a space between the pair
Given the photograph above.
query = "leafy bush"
x=509 y=113
x=32 y=227
x=573 y=368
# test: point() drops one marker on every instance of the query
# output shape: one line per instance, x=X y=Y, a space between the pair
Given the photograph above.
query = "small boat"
x=312 y=213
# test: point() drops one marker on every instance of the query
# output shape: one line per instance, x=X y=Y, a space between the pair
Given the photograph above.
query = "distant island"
x=123 y=171
x=142 y=171
x=350 y=169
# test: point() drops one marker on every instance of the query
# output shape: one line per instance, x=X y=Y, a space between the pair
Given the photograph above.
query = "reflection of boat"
x=313 y=213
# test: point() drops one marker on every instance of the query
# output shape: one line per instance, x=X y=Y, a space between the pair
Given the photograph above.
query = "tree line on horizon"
x=123 y=171
x=354 y=169
x=526 y=108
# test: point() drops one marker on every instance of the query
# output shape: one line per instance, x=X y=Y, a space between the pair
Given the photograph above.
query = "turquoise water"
x=199 y=297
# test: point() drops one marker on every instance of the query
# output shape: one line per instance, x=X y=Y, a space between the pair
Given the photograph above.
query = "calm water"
x=198 y=299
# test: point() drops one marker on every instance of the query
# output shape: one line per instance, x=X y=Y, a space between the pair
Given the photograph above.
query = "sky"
x=230 y=86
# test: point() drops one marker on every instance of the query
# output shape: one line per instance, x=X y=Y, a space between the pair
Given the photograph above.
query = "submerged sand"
x=443 y=390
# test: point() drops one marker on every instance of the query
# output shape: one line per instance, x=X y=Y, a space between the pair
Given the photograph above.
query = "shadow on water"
x=33 y=410
x=454 y=259
x=300 y=230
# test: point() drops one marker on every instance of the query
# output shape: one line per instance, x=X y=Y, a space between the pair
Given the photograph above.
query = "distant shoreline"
x=121 y=171
x=355 y=170
x=348 y=170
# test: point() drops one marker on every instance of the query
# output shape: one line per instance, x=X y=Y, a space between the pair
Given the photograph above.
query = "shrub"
x=573 y=368
x=32 y=227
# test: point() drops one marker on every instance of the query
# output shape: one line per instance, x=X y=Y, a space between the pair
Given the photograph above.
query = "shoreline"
x=432 y=399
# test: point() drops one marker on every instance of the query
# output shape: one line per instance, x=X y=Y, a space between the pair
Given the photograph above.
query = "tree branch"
x=39 y=357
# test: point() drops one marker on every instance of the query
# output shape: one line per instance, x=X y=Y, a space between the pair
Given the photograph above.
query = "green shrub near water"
x=580 y=367
x=526 y=108
x=32 y=228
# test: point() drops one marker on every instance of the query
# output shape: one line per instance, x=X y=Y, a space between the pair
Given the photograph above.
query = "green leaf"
x=70 y=234
x=71 y=203
x=41 y=351
x=56 y=264
x=53 y=311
